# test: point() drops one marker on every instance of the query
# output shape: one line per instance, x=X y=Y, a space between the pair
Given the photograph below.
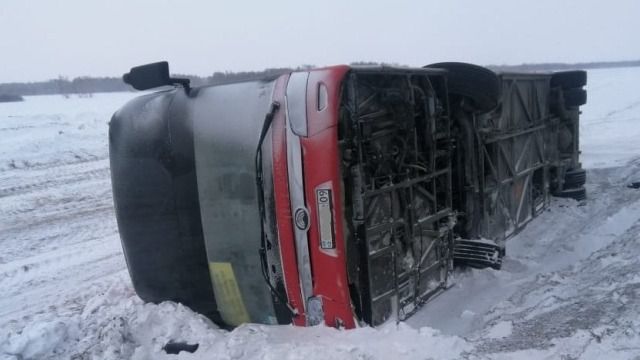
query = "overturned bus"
x=341 y=195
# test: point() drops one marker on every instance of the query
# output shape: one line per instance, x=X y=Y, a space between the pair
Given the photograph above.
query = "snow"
x=500 y=330
x=568 y=287
x=116 y=324
x=611 y=117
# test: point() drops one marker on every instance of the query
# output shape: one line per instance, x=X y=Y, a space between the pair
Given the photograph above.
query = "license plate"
x=325 y=218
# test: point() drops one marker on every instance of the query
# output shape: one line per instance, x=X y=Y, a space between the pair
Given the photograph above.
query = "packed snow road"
x=568 y=288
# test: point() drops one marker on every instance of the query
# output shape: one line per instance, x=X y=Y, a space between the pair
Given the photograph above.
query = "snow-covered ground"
x=569 y=287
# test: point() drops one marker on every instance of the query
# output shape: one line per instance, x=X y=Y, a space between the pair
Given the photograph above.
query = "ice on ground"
x=568 y=287
x=500 y=330
x=467 y=314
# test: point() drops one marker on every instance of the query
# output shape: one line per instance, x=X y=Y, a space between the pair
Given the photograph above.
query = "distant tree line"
x=10 y=98
x=62 y=85
x=565 y=66
x=89 y=85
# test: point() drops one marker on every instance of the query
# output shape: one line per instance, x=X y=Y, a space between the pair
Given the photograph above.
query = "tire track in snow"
x=54 y=207
x=21 y=181
x=57 y=224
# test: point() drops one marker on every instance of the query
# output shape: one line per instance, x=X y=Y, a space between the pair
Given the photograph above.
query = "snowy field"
x=569 y=288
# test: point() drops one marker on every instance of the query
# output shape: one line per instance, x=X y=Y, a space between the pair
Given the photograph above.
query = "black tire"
x=575 y=178
x=574 y=97
x=569 y=79
x=479 y=84
x=576 y=193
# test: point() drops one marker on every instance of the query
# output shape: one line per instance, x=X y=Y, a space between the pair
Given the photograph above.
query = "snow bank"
x=118 y=325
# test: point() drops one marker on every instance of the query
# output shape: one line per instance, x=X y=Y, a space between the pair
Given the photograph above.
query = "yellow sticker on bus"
x=227 y=292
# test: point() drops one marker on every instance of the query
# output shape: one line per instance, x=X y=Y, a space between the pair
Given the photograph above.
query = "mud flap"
x=478 y=253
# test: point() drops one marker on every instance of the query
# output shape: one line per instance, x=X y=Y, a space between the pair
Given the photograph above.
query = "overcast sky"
x=45 y=38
